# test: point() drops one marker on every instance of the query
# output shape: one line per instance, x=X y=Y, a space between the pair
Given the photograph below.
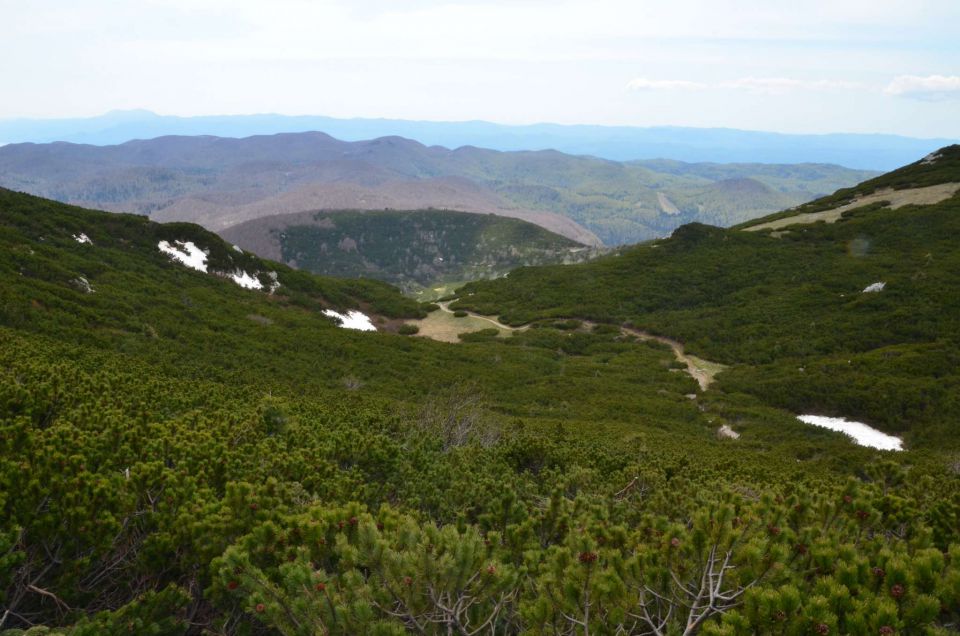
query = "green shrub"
x=480 y=335
x=290 y=477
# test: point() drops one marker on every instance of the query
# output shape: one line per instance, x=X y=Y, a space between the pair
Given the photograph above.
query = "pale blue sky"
x=792 y=66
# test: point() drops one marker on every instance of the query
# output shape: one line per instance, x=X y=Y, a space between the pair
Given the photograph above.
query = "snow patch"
x=351 y=320
x=875 y=287
x=245 y=280
x=185 y=252
x=274 y=283
x=725 y=432
x=82 y=238
x=933 y=157
x=861 y=433
x=83 y=285
x=236 y=248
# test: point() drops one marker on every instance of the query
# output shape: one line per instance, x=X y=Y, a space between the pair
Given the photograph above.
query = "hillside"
x=853 y=318
x=218 y=182
x=77 y=260
x=185 y=453
x=412 y=249
x=933 y=179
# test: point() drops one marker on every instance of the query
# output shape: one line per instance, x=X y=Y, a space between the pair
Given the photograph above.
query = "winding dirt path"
x=445 y=306
x=703 y=371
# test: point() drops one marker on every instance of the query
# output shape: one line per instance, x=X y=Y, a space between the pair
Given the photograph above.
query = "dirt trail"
x=703 y=371
x=445 y=306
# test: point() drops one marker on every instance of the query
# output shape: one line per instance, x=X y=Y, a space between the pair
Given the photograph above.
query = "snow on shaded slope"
x=351 y=320
x=185 y=252
x=245 y=280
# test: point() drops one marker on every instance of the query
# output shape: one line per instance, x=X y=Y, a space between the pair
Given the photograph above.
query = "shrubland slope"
x=800 y=312
x=181 y=454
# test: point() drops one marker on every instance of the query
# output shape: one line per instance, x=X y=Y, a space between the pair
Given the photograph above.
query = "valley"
x=445 y=326
x=206 y=440
x=464 y=318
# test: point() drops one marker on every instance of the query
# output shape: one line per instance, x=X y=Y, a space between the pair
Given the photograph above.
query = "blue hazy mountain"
x=619 y=143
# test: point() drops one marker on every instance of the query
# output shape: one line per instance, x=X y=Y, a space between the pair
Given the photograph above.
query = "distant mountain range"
x=220 y=182
x=619 y=143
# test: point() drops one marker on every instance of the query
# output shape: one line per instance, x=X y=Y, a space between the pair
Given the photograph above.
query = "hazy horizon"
x=150 y=112
x=886 y=66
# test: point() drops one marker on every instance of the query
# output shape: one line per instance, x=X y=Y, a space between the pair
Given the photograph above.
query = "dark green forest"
x=415 y=249
x=179 y=455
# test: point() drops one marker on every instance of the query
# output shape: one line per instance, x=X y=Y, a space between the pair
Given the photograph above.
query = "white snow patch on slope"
x=274 y=282
x=185 y=252
x=245 y=280
x=352 y=319
x=83 y=284
x=725 y=432
x=236 y=248
x=82 y=238
x=875 y=287
x=861 y=433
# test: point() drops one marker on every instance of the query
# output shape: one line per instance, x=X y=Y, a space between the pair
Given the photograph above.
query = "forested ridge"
x=412 y=249
x=179 y=455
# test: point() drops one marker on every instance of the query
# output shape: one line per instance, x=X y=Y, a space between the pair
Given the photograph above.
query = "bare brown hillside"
x=217 y=211
x=220 y=182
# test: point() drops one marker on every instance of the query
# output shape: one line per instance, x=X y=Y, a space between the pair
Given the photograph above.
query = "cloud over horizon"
x=930 y=87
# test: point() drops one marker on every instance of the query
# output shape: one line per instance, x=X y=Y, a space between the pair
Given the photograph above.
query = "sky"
x=808 y=66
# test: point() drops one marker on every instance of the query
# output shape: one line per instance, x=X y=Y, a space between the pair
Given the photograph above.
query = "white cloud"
x=644 y=84
x=931 y=87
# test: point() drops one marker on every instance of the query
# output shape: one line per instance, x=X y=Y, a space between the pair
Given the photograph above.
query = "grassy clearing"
x=437 y=291
x=893 y=198
x=442 y=325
